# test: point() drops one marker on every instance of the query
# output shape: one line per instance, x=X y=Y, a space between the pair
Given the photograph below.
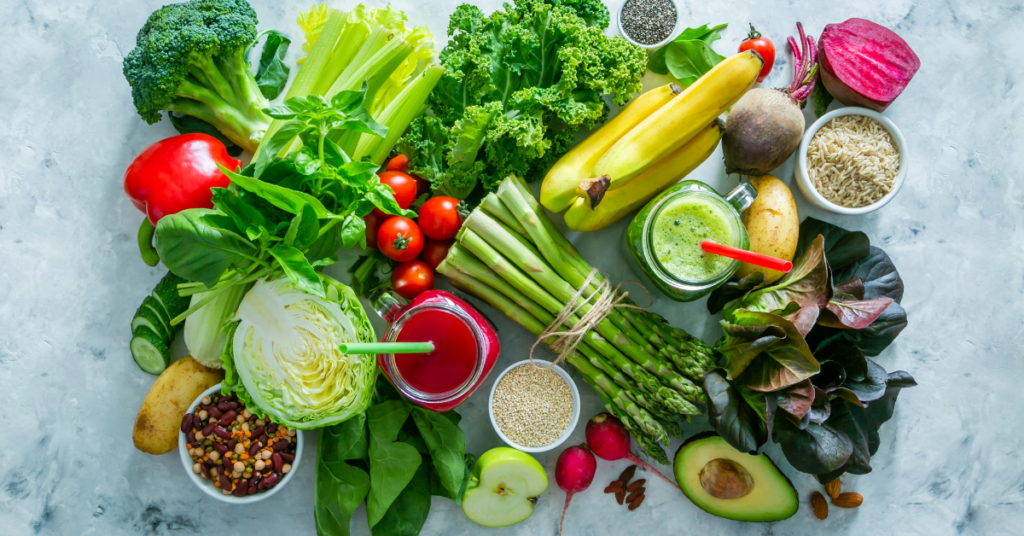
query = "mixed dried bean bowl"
x=207 y=485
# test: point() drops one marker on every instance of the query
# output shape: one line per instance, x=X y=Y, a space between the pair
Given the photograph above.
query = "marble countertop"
x=71 y=278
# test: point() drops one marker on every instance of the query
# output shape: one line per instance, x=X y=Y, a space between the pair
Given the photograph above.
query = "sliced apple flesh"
x=503 y=487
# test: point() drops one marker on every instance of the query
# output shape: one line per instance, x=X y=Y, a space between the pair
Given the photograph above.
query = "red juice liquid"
x=451 y=363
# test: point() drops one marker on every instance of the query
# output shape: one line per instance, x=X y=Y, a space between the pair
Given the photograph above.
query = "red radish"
x=609 y=440
x=864 y=64
x=574 y=471
x=765 y=126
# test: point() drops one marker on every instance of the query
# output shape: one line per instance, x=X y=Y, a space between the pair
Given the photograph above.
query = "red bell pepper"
x=176 y=174
x=173 y=175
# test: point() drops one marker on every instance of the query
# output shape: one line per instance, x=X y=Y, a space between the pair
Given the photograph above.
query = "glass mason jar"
x=398 y=313
x=638 y=239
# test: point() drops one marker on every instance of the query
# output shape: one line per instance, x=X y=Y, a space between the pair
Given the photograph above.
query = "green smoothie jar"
x=663 y=240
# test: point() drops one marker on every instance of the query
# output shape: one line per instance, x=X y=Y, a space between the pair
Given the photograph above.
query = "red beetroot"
x=609 y=440
x=574 y=472
x=865 y=64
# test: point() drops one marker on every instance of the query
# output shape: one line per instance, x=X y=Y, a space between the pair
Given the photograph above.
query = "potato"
x=159 y=419
x=772 y=224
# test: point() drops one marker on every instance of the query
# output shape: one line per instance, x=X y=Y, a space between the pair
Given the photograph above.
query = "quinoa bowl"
x=277 y=463
x=806 y=182
x=498 y=407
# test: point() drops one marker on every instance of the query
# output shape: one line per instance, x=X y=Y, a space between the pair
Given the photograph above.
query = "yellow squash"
x=558 y=191
x=668 y=171
x=675 y=123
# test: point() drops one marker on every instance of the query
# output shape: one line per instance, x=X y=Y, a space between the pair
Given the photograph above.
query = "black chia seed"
x=648 y=21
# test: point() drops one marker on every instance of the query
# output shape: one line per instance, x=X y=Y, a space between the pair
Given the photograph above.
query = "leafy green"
x=186 y=124
x=807 y=284
x=822 y=98
x=407 y=461
x=272 y=74
x=732 y=416
x=689 y=55
x=765 y=352
x=195 y=250
x=518 y=85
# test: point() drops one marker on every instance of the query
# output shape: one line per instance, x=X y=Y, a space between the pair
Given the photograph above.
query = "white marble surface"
x=71 y=278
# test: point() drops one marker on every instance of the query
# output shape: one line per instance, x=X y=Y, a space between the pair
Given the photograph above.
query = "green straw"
x=387 y=348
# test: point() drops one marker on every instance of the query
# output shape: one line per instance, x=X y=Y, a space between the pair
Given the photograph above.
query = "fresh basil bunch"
x=300 y=201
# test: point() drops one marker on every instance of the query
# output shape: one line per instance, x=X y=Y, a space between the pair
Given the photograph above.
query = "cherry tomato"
x=404 y=187
x=400 y=239
x=764 y=47
x=373 y=221
x=411 y=278
x=439 y=217
x=434 y=251
x=399 y=163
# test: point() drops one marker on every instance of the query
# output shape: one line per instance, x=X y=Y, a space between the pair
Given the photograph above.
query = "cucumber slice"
x=146 y=317
x=165 y=320
x=149 y=351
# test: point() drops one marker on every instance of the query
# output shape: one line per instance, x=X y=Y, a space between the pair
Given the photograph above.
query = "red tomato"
x=439 y=217
x=399 y=239
x=399 y=163
x=764 y=47
x=411 y=278
x=434 y=251
x=373 y=221
x=402 y=185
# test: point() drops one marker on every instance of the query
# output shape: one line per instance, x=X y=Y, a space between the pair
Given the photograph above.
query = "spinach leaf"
x=298 y=269
x=730 y=414
x=187 y=124
x=765 y=352
x=339 y=487
x=408 y=513
x=245 y=216
x=447 y=445
x=273 y=70
x=392 y=463
x=689 y=55
x=192 y=249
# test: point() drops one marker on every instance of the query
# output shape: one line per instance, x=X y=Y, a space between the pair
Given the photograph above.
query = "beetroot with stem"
x=765 y=126
x=574 y=472
x=609 y=440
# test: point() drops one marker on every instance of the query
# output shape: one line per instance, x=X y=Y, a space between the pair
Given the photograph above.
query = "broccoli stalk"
x=190 y=59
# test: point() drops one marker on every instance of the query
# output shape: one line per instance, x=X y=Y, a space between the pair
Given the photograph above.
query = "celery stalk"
x=397 y=116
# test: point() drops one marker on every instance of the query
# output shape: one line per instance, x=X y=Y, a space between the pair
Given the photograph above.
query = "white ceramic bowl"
x=672 y=35
x=572 y=422
x=804 y=179
x=207 y=485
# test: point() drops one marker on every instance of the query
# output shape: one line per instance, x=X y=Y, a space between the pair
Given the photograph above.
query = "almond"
x=848 y=500
x=819 y=505
x=833 y=488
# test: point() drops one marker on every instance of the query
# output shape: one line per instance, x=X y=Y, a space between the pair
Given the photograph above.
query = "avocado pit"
x=726 y=479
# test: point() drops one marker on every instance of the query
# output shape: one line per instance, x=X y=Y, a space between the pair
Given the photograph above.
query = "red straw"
x=748 y=257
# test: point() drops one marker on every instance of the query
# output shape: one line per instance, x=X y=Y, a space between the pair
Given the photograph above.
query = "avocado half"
x=728 y=483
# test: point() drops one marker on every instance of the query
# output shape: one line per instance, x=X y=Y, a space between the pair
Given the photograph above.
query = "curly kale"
x=518 y=85
x=190 y=59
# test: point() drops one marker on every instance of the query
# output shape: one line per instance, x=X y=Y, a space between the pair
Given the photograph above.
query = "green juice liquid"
x=681 y=227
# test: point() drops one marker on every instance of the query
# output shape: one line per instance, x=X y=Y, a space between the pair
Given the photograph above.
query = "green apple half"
x=503 y=487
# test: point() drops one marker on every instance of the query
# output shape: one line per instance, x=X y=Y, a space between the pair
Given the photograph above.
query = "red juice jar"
x=466 y=348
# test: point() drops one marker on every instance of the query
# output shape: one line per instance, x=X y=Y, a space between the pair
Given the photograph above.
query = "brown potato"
x=772 y=224
x=159 y=419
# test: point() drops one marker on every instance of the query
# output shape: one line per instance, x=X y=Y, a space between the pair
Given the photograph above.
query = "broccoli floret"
x=190 y=58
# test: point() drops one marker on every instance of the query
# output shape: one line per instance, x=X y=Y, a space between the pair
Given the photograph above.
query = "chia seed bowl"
x=642 y=22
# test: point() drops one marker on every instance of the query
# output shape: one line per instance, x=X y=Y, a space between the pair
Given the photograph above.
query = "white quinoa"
x=532 y=405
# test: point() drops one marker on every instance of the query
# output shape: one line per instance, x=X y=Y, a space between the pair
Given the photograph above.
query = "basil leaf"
x=187 y=124
x=353 y=230
x=197 y=252
x=283 y=198
x=298 y=269
x=272 y=146
x=245 y=216
x=303 y=229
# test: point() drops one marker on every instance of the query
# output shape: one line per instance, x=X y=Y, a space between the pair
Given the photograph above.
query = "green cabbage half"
x=282 y=354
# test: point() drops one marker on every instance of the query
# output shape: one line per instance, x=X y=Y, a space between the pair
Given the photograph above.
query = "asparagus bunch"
x=510 y=255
